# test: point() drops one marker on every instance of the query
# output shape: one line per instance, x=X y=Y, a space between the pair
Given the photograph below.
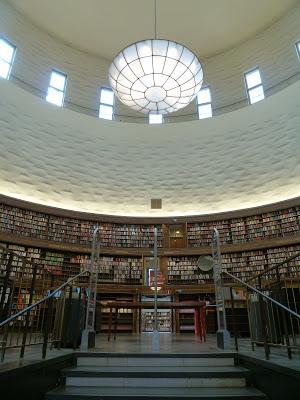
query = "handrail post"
x=234 y=320
x=155 y=333
x=250 y=318
x=223 y=336
x=283 y=315
x=263 y=322
x=261 y=310
x=78 y=320
x=28 y=314
x=89 y=335
x=48 y=321
x=61 y=319
x=5 y=284
x=5 y=332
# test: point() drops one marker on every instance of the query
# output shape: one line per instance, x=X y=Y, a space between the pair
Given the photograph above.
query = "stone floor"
x=142 y=343
x=188 y=343
x=169 y=343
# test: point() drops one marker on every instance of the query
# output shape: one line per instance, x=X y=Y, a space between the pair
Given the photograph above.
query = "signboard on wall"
x=160 y=278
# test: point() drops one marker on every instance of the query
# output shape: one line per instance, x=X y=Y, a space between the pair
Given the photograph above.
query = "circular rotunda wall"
x=65 y=159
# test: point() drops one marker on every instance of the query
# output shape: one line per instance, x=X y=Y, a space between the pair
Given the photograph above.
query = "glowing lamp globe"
x=156 y=76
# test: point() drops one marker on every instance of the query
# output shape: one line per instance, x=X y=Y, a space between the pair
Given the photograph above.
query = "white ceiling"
x=104 y=27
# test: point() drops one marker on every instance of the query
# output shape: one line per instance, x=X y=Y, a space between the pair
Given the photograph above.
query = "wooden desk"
x=199 y=307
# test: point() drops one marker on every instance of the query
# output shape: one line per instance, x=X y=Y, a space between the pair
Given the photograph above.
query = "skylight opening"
x=204 y=103
x=57 y=88
x=254 y=86
x=155 y=118
x=107 y=100
x=298 y=49
x=7 y=55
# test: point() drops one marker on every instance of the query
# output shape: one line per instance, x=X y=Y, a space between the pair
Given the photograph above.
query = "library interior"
x=149 y=199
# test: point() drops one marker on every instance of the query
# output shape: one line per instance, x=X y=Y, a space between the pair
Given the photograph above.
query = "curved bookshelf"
x=251 y=240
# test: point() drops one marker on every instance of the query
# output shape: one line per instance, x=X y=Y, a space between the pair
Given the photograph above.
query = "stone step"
x=156 y=382
x=153 y=360
x=158 y=377
x=159 y=371
x=153 y=393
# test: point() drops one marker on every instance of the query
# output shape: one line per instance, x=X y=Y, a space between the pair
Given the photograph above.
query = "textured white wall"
x=62 y=158
x=38 y=53
x=273 y=50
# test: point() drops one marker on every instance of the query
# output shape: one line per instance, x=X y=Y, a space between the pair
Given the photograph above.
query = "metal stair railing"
x=32 y=310
x=274 y=320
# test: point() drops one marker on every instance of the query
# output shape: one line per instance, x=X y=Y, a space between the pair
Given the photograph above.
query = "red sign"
x=160 y=278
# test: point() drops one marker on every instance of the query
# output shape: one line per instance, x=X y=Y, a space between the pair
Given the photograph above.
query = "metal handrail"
x=263 y=295
x=287 y=260
x=12 y=317
x=189 y=116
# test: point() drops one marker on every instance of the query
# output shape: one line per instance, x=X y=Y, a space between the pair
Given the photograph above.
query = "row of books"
x=61 y=229
x=180 y=269
x=277 y=223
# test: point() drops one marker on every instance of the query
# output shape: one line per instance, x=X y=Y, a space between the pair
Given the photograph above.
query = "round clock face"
x=205 y=264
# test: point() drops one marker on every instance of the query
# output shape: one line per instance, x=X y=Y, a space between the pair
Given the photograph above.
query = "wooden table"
x=199 y=307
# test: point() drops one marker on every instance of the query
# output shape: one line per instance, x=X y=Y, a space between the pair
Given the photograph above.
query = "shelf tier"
x=75 y=248
x=13 y=202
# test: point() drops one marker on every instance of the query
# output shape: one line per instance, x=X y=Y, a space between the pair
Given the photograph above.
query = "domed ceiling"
x=61 y=158
x=104 y=27
x=65 y=159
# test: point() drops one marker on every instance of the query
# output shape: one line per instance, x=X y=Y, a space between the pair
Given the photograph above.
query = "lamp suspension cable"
x=156 y=75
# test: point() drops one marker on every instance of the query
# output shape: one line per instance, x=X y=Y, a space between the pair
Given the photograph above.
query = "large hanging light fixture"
x=156 y=75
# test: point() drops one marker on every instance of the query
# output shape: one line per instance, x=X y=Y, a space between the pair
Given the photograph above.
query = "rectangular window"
x=254 y=86
x=204 y=103
x=7 y=55
x=57 y=88
x=155 y=118
x=107 y=99
x=298 y=49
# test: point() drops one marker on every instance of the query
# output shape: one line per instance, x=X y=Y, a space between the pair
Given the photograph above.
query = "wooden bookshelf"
x=121 y=270
x=185 y=317
x=185 y=270
x=61 y=229
x=59 y=243
x=178 y=270
x=139 y=236
x=238 y=230
x=75 y=231
x=126 y=316
x=163 y=321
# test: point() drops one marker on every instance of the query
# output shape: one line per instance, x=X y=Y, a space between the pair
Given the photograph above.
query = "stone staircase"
x=155 y=376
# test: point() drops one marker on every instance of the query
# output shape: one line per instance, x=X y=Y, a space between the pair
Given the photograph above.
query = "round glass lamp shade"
x=156 y=76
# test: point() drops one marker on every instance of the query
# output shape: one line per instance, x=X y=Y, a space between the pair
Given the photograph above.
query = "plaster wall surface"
x=272 y=50
x=62 y=158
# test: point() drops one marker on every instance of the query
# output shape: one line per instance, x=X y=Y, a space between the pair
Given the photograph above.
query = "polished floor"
x=189 y=343
x=142 y=343
x=168 y=343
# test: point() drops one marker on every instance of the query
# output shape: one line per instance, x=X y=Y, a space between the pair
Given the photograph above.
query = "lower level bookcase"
x=185 y=318
x=237 y=318
x=164 y=321
x=126 y=316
